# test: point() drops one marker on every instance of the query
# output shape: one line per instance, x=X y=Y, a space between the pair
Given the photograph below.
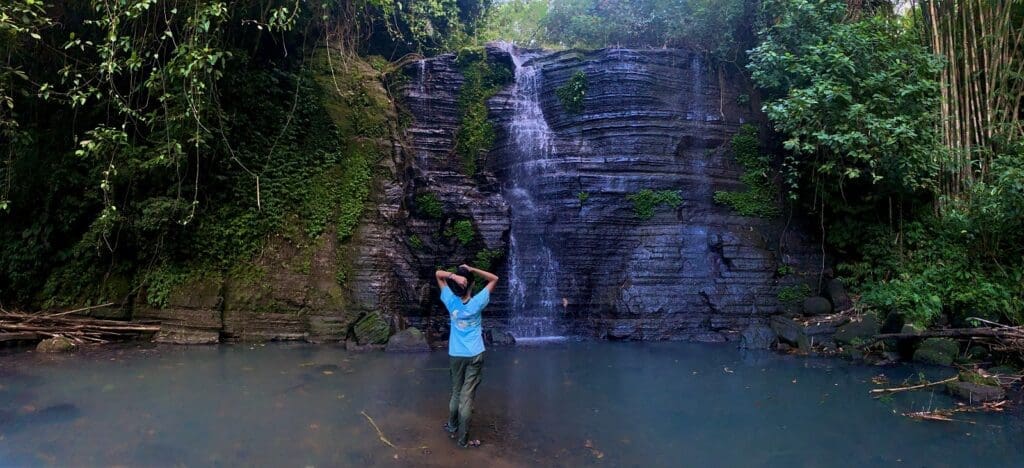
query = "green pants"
x=465 y=373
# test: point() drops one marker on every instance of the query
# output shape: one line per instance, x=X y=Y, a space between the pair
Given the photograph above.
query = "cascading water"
x=533 y=270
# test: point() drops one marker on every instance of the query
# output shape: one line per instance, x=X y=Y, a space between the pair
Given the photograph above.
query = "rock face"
x=553 y=206
x=554 y=195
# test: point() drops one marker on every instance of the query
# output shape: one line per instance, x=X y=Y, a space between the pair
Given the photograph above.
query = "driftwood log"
x=16 y=326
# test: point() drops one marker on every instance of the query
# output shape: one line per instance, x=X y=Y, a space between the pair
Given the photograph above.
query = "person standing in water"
x=465 y=343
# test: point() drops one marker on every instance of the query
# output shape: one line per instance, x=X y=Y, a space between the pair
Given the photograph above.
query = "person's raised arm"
x=491 y=278
x=440 y=276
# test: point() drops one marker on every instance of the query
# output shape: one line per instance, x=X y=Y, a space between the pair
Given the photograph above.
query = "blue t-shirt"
x=466 y=339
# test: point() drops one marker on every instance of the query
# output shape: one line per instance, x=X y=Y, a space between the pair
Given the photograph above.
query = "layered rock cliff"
x=554 y=206
x=554 y=194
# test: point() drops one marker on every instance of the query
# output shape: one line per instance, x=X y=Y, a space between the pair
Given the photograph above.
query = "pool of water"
x=566 y=404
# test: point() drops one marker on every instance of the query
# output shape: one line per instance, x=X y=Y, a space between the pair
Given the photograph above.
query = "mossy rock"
x=371 y=329
x=974 y=377
x=939 y=351
x=860 y=330
x=975 y=393
x=816 y=305
x=410 y=340
x=57 y=344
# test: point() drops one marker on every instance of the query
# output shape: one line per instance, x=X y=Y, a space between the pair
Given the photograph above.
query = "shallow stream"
x=567 y=404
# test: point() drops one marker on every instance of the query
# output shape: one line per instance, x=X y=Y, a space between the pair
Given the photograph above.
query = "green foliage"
x=711 y=26
x=935 y=267
x=427 y=204
x=571 y=94
x=462 y=231
x=582 y=196
x=976 y=378
x=761 y=197
x=856 y=100
x=518 y=21
x=794 y=293
x=195 y=139
x=415 y=242
x=646 y=200
x=910 y=296
x=485 y=258
x=482 y=80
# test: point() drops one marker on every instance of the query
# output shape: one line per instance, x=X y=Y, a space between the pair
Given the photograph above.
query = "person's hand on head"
x=465 y=266
x=461 y=280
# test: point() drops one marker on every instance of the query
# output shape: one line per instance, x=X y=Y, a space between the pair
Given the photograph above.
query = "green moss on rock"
x=761 y=197
x=571 y=94
x=483 y=78
x=938 y=351
x=646 y=200
x=371 y=329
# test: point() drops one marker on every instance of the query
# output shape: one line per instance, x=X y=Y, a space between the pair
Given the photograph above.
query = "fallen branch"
x=913 y=387
x=29 y=327
x=945 y=414
x=380 y=434
x=954 y=333
x=83 y=309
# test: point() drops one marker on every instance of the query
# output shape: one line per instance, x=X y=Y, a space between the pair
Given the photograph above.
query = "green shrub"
x=461 y=230
x=761 y=197
x=427 y=204
x=415 y=242
x=646 y=200
x=794 y=294
x=582 y=197
x=571 y=94
x=485 y=258
x=482 y=79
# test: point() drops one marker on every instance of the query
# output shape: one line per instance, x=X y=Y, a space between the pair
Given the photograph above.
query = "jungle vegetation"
x=143 y=141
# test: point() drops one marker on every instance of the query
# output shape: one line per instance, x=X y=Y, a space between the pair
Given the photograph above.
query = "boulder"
x=975 y=393
x=939 y=351
x=978 y=353
x=57 y=344
x=757 y=336
x=1005 y=370
x=371 y=329
x=859 y=330
x=837 y=294
x=787 y=329
x=816 y=305
x=499 y=338
x=885 y=358
x=410 y=340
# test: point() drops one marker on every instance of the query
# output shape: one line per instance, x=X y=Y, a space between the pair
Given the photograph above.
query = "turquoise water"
x=569 y=404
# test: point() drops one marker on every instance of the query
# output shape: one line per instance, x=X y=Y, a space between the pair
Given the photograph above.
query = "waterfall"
x=533 y=271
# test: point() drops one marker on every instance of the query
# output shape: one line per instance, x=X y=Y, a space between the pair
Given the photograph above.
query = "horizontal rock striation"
x=578 y=255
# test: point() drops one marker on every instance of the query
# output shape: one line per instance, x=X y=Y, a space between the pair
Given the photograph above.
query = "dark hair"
x=456 y=287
